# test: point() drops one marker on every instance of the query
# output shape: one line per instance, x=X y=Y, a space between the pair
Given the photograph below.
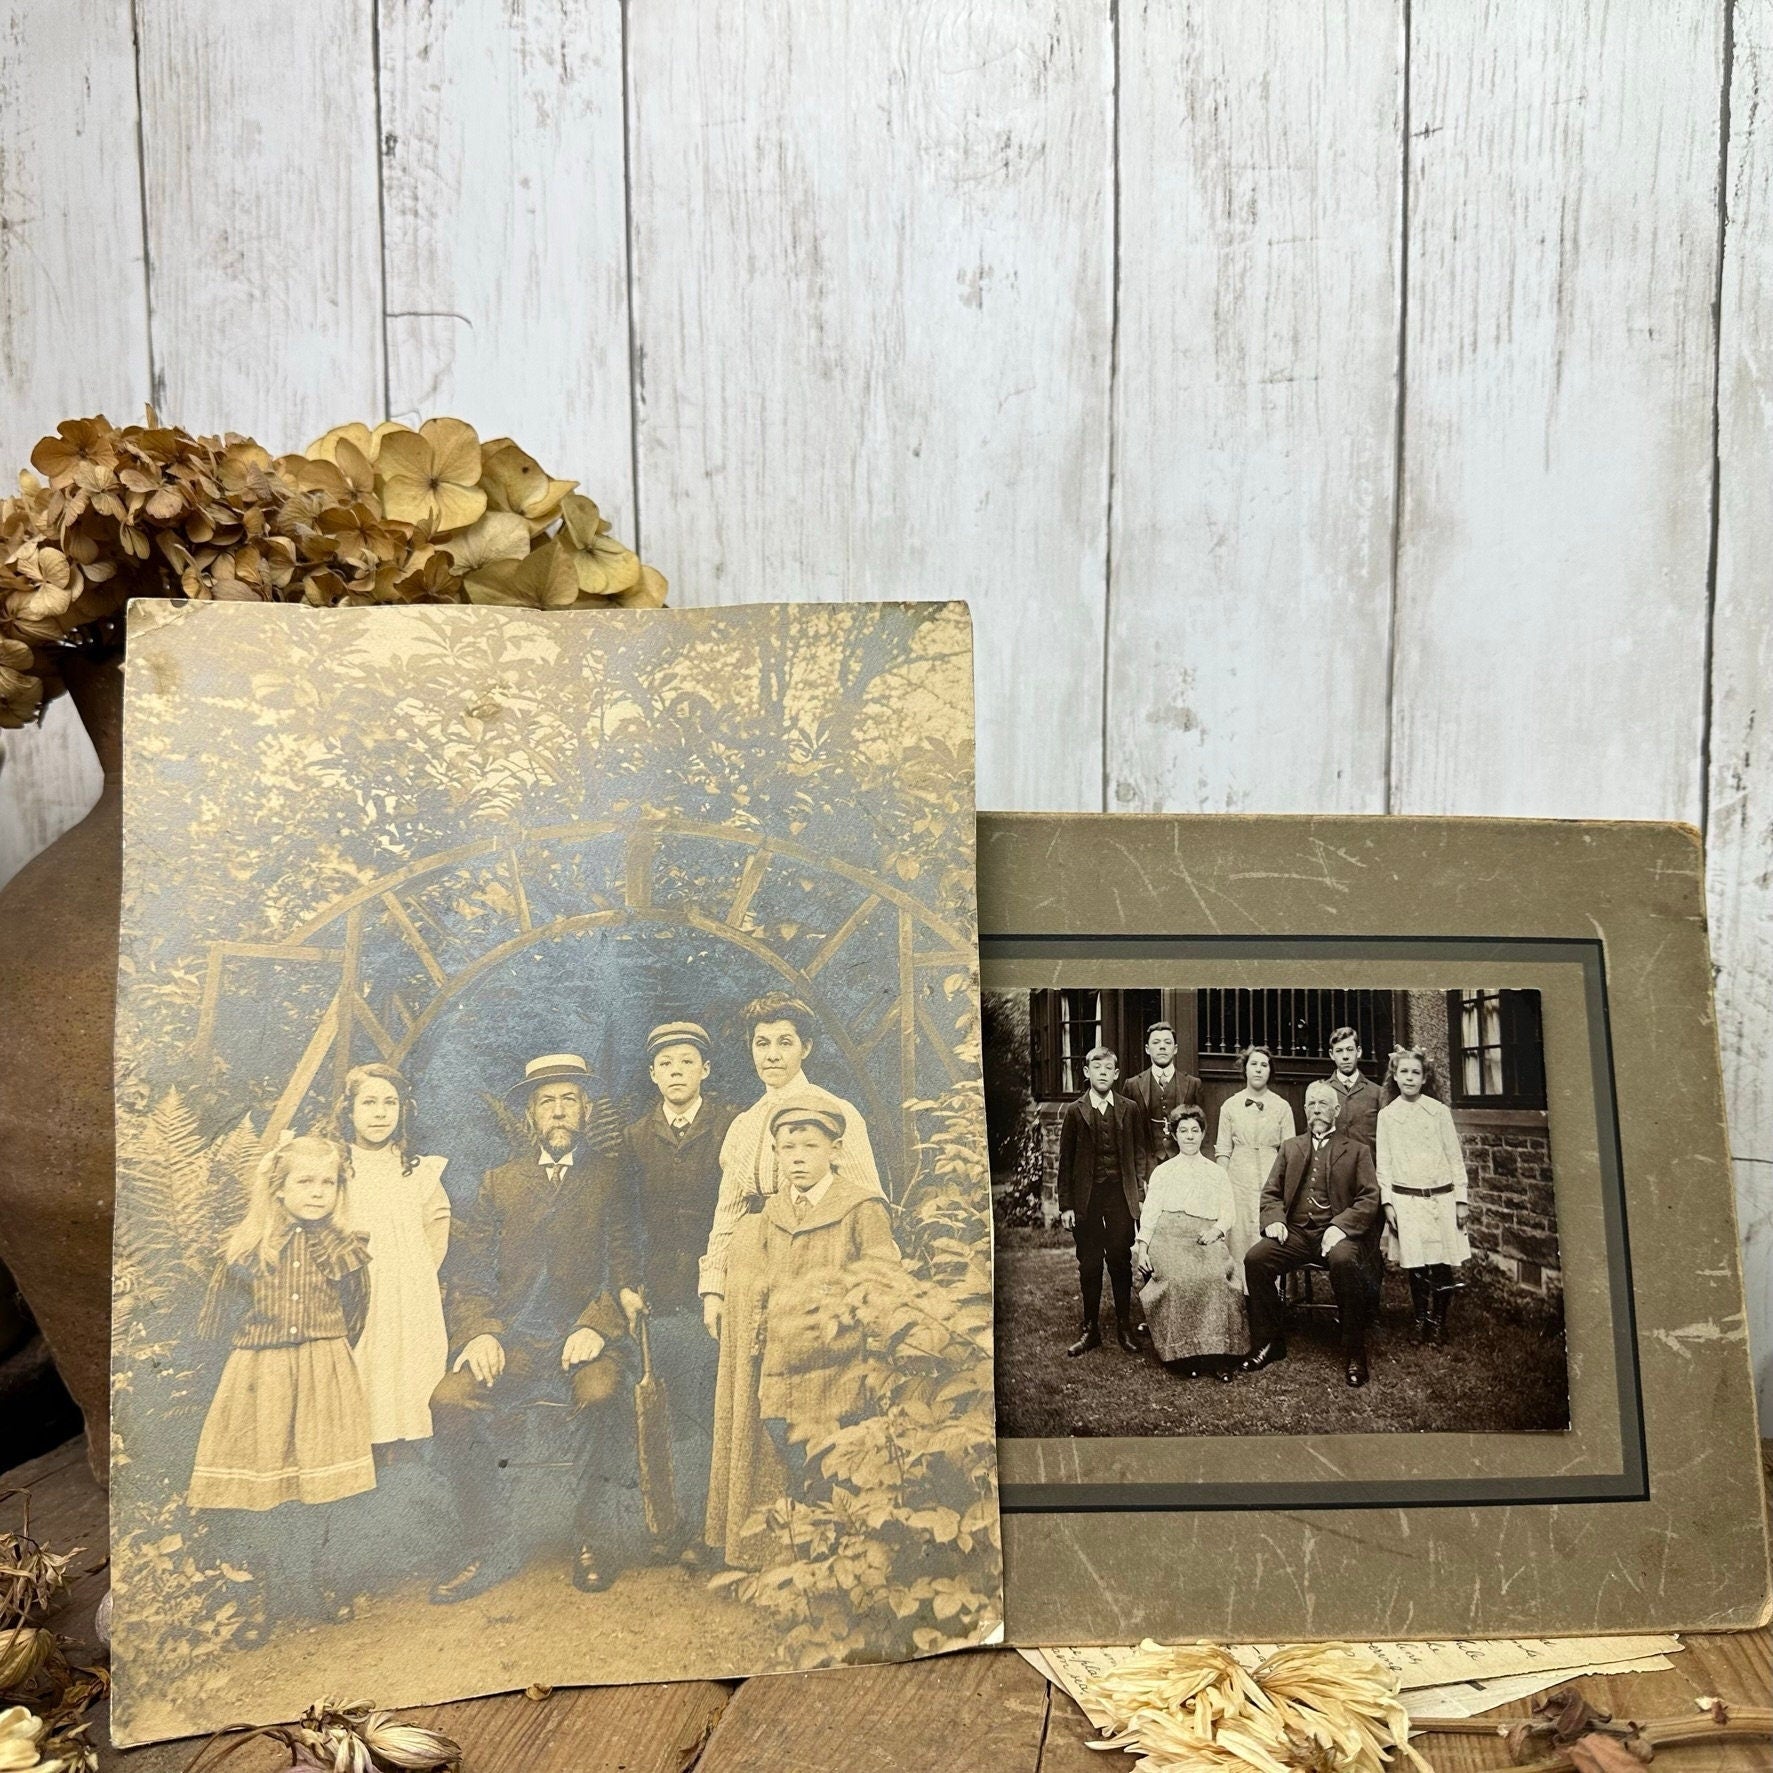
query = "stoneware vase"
x=58 y=986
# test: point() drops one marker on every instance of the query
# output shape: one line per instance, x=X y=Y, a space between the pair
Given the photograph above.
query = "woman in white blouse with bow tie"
x=1253 y=1125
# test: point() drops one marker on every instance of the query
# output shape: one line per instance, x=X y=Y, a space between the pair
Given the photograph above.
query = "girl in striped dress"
x=288 y=1423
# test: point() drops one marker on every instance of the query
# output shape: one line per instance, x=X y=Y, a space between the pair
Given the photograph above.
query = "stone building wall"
x=1513 y=1219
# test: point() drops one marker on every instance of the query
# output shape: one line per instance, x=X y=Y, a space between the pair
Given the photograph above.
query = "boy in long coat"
x=783 y=1381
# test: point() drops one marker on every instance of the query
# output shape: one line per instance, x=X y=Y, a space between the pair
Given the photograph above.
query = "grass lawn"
x=1501 y=1369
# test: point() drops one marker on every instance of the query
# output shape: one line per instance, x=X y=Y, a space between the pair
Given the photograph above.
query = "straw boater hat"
x=808 y=1114
x=677 y=1034
x=550 y=1068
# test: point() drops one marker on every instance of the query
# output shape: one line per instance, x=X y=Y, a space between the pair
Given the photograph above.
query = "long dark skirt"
x=1192 y=1303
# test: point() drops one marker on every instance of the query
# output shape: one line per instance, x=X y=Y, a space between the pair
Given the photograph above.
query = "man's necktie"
x=555 y=1172
x=800 y=1205
x=679 y=1128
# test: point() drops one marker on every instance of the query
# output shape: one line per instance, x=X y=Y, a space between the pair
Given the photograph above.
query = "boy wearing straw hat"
x=671 y=1161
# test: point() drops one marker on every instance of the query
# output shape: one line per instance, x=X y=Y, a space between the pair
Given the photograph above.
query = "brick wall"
x=1513 y=1219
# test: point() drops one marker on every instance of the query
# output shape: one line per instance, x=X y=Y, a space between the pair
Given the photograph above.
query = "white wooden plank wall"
x=505 y=230
x=1558 y=351
x=1261 y=158
x=1740 y=823
x=873 y=302
x=1321 y=407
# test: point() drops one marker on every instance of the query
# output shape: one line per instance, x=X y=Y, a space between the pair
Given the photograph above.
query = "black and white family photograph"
x=553 y=1232
x=1273 y=1211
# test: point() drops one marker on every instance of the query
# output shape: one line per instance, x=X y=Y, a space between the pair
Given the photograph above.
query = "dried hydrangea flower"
x=383 y=514
x=21 y=1735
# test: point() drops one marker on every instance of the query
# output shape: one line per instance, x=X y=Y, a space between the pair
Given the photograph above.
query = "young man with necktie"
x=1360 y=1099
x=1157 y=1092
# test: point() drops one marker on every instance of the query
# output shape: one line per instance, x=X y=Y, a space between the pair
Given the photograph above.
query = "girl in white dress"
x=1423 y=1184
x=1254 y=1123
x=397 y=1202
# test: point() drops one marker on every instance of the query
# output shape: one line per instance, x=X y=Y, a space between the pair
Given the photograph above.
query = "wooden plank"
x=264 y=232
x=506 y=230
x=1255 y=421
x=1739 y=829
x=982 y=1710
x=651 y=1729
x=872 y=309
x=1562 y=234
x=73 y=315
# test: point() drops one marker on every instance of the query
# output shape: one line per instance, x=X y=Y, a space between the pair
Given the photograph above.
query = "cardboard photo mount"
x=1648 y=1514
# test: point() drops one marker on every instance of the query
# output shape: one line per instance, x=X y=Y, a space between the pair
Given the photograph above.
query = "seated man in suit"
x=1157 y=1092
x=1320 y=1202
x=543 y=1273
x=1099 y=1156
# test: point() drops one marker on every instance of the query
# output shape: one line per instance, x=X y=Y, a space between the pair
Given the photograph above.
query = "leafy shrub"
x=904 y=1554
x=1017 y=1199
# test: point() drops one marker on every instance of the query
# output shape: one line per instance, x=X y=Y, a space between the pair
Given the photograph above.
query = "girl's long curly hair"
x=258 y=1239
x=341 y=1128
x=1431 y=1083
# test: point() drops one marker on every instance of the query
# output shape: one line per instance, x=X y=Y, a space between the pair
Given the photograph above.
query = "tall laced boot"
x=1421 y=1300
x=1446 y=1284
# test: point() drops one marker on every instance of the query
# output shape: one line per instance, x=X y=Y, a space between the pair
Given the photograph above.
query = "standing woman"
x=1253 y=1125
x=1423 y=1184
x=397 y=1202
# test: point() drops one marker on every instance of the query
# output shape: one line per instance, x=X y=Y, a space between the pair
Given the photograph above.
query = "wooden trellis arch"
x=354 y=1024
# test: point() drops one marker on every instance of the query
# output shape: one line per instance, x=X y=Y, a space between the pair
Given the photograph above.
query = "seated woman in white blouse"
x=1182 y=1261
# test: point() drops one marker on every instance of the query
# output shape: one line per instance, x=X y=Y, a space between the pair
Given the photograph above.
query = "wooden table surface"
x=986 y=1711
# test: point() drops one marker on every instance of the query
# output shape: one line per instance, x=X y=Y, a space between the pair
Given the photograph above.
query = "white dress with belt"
x=1422 y=1179
x=404 y=1348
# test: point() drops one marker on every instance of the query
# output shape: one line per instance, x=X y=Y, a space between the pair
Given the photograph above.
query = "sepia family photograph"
x=553 y=1222
x=1273 y=1211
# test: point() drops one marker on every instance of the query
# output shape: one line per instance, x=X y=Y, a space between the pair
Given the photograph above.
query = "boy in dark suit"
x=542 y=1272
x=671 y=1164
x=1157 y=1092
x=1100 y=1151
x=1359 y=1098
x=1319 y=1203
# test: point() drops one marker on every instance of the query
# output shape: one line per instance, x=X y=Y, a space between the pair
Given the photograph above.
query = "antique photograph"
x=1273 y=1211
x=553 y=1230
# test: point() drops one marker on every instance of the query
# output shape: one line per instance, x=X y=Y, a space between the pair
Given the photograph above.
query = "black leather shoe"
x=1266 y=1356
x=588 y=1578
x=1091 y=1338
x=473 y=1578
x=1123 y=1334
x=1357 y=1369
x=1226 y=1373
